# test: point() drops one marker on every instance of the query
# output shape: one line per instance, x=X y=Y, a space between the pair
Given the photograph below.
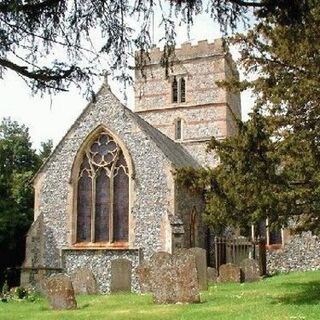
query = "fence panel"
x=234 y=250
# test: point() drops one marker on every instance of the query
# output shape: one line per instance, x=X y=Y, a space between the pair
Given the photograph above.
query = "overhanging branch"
x=43 y=75
x=14 y=7
x=248 y=4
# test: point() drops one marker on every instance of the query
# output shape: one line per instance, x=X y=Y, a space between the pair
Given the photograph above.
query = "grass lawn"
x=291 y=296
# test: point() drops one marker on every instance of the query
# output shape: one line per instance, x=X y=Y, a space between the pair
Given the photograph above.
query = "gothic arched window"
x=103 y=193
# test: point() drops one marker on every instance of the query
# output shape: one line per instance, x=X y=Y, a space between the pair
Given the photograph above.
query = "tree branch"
x=14 y=7
x=248 y=4
x=44 y=75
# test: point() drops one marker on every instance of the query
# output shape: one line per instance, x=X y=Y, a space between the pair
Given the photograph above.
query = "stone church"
x=108 y=189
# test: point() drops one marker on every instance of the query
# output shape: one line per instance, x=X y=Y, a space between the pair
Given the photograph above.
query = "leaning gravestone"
x=121 y=270
x=250 y=270
x=201 y=266
x=60 y=292
x=212 y=275
x=173 y=278
x=229 y=273
x=83 y=281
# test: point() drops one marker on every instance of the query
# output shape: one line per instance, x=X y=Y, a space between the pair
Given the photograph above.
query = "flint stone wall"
x=300 y=253
x=99 y=262
x=206 y=125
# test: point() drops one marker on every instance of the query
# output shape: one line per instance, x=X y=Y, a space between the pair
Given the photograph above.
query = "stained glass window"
x=103 y=193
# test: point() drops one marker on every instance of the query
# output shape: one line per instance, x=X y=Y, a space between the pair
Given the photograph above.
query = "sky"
x=49 y=117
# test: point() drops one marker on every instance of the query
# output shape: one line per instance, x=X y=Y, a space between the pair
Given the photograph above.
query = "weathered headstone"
x=250 y=270
x=60 y=292
x=162 y=278
x=229 y=273
x=187 y=283
x=201 y=266
x=173 y=278
x=212 y=275
x=143 y=273
x=121 y=270
x=83 y=281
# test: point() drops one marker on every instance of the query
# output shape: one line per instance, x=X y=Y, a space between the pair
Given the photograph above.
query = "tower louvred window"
x=103 y=193
x=178 y=90
x=174 y=90
x=182 y=90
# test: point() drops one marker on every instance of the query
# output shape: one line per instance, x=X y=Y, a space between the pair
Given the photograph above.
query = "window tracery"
x=103 y=193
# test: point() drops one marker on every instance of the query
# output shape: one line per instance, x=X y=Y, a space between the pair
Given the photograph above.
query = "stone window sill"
x=100 y=245
x=274 y=247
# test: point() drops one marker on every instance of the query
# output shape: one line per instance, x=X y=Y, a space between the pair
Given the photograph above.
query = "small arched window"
x=103 y=193
x=178 y=129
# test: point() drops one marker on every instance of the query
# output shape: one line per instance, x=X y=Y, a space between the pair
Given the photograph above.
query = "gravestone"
x=201 y=266
x=83 y=281
x=250 y=270
x=60 y=292
x=40 y=280
x=212 y=275
x=121 y=270
x=143 y=272
x=173 y=278
x=186 y=278
x=162 y=278
x=229 y=273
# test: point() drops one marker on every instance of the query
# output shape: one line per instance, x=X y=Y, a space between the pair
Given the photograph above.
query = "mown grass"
x=294 y=296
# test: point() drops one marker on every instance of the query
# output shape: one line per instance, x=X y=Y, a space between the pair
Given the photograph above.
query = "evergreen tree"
x=18 y=163
x=32 y=30
x=46 y=148
x=271 y=167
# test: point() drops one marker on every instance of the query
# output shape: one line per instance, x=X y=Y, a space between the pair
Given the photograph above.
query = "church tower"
x=188 y=106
